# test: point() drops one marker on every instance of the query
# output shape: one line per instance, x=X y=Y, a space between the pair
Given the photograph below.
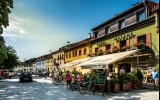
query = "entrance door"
x=126 y=66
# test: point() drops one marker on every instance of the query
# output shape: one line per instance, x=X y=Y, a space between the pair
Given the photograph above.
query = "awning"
x=102 y=62
x=75 y=62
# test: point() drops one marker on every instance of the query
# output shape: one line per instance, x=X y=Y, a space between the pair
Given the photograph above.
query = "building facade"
x=49 y=62
x=40 y=63
x=77 y=51
x=29 y=65
x=129 y=30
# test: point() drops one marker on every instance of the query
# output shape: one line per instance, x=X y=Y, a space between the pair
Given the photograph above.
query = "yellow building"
x=48 y=62
x=77 y=51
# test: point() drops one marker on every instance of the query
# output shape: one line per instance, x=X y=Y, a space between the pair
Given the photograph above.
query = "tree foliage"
x=12 y=58
x=5 y=6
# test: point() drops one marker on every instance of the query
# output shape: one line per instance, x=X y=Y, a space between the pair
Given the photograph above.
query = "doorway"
x=126 y=66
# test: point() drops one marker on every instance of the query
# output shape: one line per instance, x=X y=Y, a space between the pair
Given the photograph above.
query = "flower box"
x=126 y=86
x=125 y=47
x=139 y=43
x=115 y=88
x=115 y=49
x=107 y=52
x=134 y=85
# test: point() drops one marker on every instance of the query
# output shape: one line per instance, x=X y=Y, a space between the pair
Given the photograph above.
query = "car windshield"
x=5 y=71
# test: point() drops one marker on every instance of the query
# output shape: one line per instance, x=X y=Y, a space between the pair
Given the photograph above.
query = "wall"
x=48 y=64
x=150 y=28
x=77 y=57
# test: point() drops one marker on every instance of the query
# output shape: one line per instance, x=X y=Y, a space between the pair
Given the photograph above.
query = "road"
x=43 y=89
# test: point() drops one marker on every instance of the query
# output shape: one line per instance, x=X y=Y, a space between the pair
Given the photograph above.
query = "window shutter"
x=148 y=40
x=128 y=42
x=112 y=45
x=118 y=44
x=134 y=40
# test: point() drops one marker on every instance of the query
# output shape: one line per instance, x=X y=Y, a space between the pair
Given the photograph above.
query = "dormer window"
x=107 y=30
x=121 y=24
x=141 y=16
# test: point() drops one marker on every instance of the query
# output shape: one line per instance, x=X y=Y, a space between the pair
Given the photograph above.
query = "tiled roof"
x=83 y=42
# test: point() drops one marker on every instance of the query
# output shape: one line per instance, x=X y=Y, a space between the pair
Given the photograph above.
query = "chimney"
x=115 y=15
x=89 y=35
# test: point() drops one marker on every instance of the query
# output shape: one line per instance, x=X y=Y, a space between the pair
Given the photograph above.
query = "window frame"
x=80 y=52
x=138 y=15
x=84 y=51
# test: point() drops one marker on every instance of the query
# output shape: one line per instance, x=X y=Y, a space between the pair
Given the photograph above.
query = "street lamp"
x=137 y=59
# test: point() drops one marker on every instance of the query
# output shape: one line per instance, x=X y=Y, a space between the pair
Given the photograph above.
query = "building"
x=40 y=63
x=58 y=57
x=77 y=51
x=19 y=67
x=129 y=30
x=29 y=65
x=48 y=62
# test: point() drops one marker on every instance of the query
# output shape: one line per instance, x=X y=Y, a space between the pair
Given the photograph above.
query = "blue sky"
x=36 y=26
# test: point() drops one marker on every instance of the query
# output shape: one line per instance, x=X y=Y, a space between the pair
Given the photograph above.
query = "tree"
x=5 y=6
x=3 y=51
x=12 y=59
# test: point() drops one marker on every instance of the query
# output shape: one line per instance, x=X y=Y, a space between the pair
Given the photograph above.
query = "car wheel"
x=9 y=77
x=31 y=80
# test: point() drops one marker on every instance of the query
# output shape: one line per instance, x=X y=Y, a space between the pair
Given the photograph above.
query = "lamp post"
x=137 y=59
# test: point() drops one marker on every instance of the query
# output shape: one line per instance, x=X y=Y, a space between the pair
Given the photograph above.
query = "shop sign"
x=124 y=37
x=101 y=60
x=101 y=44
x=100 y=77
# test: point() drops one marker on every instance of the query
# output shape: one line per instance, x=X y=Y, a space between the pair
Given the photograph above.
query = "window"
x=66 y=55
x=108 y=47
x=122 y=43
x=62 y=56
x=75 y=53
x=121 y=24
x=58 y=56
x=96 y=50
x=141 y=16
x=85 y=51
x=107 y=30
x=142 y=39
x=80 y=52
x=69 y=55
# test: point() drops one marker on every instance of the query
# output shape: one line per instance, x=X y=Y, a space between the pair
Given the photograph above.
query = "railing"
x=144 y=48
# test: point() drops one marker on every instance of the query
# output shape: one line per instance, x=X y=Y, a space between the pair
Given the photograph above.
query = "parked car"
x=43 y=74
x=11 y=73
x=25 y=76
x=40 y=73
x=6 y=73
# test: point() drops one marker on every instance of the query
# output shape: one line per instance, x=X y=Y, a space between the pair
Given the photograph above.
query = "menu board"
x=100 y=77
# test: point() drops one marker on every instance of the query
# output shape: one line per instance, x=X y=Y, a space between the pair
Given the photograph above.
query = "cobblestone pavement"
x=43 y=89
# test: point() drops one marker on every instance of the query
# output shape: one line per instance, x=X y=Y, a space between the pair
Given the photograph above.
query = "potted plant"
x=115 y=85
x=107 y=52
x=115 y=49
x=125 y=81
x=140 y=78
x=135 y=82
x=100 y=53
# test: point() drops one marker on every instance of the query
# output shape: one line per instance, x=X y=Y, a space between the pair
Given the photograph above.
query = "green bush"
x=125 y=78
x=133 y=73
x=139 y=75
x=114 y=81
x=135 y=79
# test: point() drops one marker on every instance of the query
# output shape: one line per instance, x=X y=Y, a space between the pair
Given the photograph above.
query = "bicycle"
x=86 y=86
x=58 y=80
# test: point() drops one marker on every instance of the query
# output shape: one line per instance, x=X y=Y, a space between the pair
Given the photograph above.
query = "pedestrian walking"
x=155 y=77
x=68 y=79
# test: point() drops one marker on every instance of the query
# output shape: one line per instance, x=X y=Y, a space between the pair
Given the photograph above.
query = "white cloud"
x=21 y=31
x=14 y=39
